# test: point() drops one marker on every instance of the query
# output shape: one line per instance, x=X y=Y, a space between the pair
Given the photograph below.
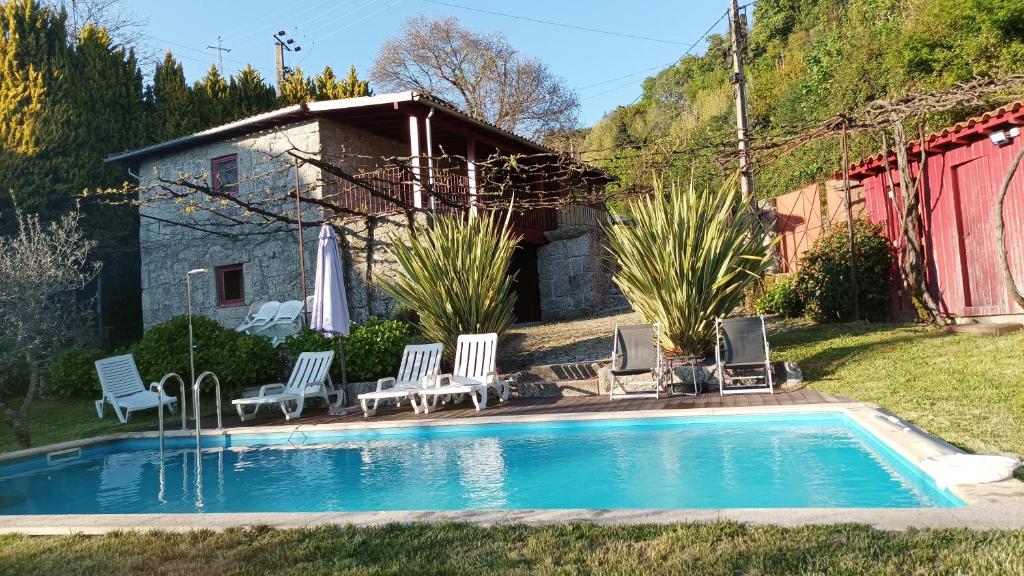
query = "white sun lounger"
x=123 y=388
x=310 y=379
x=419 y=363
x=287 y=321
x=259 y=316
x=473 y=374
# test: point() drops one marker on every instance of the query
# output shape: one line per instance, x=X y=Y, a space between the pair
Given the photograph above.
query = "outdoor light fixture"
x=1003 y=137
x=191 y=345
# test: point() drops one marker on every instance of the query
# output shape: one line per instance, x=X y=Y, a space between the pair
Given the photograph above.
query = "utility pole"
x=220 y=53
x=281 y=43
x=737 y=36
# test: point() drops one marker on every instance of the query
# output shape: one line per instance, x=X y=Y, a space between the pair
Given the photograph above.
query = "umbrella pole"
x=341 y=360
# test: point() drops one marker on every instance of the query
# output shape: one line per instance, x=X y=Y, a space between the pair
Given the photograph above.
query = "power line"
x=560 y=24
x=349 y=25
x=688 y=51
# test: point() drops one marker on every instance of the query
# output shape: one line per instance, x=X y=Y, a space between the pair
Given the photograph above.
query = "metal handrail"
x=195 y=401
x=160 y=408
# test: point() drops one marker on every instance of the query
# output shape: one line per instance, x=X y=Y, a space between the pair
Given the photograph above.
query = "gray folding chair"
x=635 y=351
x=741 y=347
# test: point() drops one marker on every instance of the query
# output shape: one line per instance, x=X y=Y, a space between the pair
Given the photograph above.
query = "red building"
x=966 y=165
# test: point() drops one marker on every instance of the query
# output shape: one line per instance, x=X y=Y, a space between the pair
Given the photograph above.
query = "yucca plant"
x=686 y=256
x=455 y=274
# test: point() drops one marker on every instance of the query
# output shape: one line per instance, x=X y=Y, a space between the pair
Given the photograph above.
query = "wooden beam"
x=414 y=160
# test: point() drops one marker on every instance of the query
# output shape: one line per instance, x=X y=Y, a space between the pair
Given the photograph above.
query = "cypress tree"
x=296 y=88
x=34 y=59
x=354 y=87
x=327 y=86
x=210 y=99
x=171 y=102
x=248 y=94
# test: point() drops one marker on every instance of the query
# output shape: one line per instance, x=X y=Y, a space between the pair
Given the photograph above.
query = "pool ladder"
x=162 y=392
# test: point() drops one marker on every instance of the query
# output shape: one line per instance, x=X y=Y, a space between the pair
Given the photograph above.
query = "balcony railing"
x=451 y=190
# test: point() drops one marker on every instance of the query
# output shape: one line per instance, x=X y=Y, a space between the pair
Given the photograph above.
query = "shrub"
x=686 y=257
x=372 y=350
x=824 y=279
x=781 y=298
x=455 y=274
x=238 y=359
x=307 y=340
x=73 y=373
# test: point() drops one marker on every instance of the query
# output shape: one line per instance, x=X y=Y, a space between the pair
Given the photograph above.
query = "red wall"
x=958 y=201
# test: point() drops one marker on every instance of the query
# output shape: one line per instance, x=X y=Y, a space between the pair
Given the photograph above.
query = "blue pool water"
x=789 y=461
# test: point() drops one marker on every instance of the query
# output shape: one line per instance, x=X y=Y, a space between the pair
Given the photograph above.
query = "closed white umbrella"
x=330 y=305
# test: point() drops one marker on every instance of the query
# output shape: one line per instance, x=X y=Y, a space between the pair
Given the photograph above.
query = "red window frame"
x=221 y=300
x=215 y=165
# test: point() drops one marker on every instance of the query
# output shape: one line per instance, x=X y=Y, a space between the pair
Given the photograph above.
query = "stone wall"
x=268 y=253
x=365 y=244
x=575 y=279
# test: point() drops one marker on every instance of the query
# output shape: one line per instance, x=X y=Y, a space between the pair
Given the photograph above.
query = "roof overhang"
x=384 y=113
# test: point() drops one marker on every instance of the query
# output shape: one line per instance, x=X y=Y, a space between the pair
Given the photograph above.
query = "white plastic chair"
x=264 y=313
x=123 y=388
x=473 y=373
x=310 y=379
x=287 y=321
x=419 y=363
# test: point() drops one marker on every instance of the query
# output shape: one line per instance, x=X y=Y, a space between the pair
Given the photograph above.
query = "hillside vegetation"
x=807 y=60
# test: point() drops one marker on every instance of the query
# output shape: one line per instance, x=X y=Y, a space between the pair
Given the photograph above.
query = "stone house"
x=560 y=266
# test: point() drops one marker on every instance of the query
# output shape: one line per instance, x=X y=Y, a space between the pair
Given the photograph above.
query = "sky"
x=605 y=68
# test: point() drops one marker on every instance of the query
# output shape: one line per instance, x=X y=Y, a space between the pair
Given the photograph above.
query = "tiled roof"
x=960 y=133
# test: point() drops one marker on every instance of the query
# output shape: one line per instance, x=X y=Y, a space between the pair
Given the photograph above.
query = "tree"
x=111 y=15
x=210 y=101
x=327 y=86
x=296 y=88
x=34 y=59
x=481 y=73
x=42 y=269
x=249 y=94
x=170 y=101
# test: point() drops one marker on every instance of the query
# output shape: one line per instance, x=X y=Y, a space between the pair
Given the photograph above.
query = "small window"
x=225 y=174
x=230 y=283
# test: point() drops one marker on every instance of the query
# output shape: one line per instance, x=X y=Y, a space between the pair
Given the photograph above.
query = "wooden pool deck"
x=540 y=406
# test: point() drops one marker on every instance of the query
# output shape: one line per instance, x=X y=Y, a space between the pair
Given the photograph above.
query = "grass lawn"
x=967 y=389
x=720 y=548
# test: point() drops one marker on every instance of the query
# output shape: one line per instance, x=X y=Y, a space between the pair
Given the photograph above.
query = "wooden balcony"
x=394 y=191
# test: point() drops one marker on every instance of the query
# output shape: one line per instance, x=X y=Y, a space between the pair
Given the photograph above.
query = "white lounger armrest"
x=277 y=389
x=383 y=381
x=434 y=380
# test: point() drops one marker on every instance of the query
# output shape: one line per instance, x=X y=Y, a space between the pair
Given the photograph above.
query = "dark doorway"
x=527 y=283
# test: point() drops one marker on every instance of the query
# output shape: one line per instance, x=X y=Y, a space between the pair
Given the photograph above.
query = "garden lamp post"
x=191 y=345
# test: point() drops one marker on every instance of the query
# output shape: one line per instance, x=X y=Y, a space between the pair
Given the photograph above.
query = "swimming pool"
x=821 y=460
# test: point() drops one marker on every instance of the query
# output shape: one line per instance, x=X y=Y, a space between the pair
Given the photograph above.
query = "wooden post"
x=471 y=172
x=849 y=224
x=302 y=245
x=414 y=161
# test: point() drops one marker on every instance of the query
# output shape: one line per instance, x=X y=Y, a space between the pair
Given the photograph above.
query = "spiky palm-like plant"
x=685 y=257
x=455 y=274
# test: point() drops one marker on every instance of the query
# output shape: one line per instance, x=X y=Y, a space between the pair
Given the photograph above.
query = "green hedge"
x=72 y=373
x=824 y=279
x=372 y=350
x=238 y=359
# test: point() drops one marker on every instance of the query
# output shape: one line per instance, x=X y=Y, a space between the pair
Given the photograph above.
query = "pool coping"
x=988 y=506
